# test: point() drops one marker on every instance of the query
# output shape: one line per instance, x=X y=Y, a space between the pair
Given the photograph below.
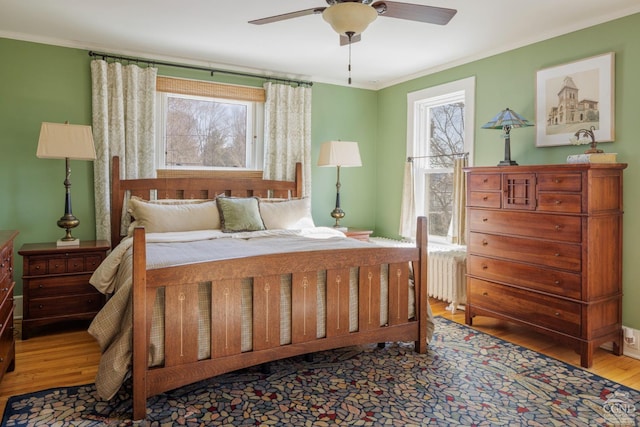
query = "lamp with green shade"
x=506 y=120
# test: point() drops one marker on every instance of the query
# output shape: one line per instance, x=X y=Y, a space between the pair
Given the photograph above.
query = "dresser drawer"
x=6 y=264
x=555 y=282
x=485 y=181
x=560 y=202
x=544 y=226
x=64 y=306
x=47 y=287
x=567 y=256
x=485 y=199
x=558 y=181
x=530 y=307
x=7 y=343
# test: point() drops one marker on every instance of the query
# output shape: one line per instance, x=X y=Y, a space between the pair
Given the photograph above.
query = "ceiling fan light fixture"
x=349 y=17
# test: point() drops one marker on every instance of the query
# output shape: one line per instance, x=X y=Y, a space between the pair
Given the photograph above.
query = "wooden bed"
x=181 y=365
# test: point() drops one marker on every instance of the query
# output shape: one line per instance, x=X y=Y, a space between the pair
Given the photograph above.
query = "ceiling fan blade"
x=344 y=40
x=415 y=12
x=289 y=15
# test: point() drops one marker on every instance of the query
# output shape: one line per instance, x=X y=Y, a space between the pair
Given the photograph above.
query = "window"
x=440 y=125
x=199 y=131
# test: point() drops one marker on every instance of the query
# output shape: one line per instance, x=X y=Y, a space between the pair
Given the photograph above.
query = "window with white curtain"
x=440 y=127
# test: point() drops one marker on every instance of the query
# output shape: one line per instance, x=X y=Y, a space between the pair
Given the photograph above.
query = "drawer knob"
x=485 y=243
x=557 y=314
x=37 y=267
x=484 y=267
x=485 y=198
x=556 y=254
x=40 y=306
x=558 y=202
x=558 y=227
x=485 y=294
x=557 y=282
x=485 y=219
x=485 y=180
x=557 y=181
x=40 y=286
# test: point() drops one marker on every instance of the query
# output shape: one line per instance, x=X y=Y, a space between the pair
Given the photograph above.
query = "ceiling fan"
x=349 y=18
x=353 y=16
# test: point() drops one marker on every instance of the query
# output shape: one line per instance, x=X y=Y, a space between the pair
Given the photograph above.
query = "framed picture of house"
x=575 y=96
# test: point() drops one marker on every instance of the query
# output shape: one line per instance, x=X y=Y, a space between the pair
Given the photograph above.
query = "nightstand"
x=358 y=233
x=56 y=285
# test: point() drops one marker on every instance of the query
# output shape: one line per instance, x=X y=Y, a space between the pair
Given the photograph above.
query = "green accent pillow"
x=239 y=214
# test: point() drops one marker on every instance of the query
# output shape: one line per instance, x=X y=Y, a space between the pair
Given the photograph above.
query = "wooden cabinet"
x=56 y=284
x=7 y=339
x=545 y=250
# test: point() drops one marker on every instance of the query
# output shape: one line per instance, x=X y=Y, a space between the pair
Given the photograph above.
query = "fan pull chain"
x=350 y=35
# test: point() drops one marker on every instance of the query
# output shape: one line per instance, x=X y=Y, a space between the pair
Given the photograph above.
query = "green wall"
x=508 y=80
x=47 y=83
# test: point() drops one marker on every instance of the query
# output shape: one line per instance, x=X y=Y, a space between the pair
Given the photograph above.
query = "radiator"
x=446 y=277
x=446 y=272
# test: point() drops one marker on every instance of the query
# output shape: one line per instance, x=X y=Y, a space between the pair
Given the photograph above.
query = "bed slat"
x=398 y=293
x=266 y=312
x=337 y=302
x=181 y=329
x=369 y=298
x=304 y=291
x=226 y=317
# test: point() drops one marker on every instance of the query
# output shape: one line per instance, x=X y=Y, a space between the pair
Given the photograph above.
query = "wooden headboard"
x=231 y=183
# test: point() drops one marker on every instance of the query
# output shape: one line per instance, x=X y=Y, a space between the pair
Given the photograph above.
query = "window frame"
x=417 y=128
x=255 y=128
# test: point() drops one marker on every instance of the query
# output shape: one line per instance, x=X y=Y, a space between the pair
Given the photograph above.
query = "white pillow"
x=183 y=216
x=292 y=214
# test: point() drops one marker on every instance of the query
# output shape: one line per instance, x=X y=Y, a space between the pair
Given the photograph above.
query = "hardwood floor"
x=71 y=358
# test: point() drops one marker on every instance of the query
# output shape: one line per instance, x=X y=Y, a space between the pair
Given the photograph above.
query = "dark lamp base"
x=508 y=163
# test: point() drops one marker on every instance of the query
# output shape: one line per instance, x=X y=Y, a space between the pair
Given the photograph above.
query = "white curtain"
x=287 y=136
x=123 y=101
x=408 y=207
x=457 y=227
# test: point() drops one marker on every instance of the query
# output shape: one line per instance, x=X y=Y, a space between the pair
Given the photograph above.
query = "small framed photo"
x=575 y=96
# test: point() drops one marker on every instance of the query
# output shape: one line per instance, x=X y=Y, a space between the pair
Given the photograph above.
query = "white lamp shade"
x=339 y=153
x=62 y=140
x=349 y=17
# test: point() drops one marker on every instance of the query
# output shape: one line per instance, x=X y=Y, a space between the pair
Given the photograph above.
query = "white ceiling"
x=216 y=33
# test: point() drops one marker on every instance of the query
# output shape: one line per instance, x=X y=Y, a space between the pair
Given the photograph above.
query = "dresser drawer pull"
x=40 y=286
x=557 y=181
x=558 y=227
x=40 y=306
x=558 y=202
x=37 y=267
x=1 y=359
x=556 y=254
x=485 y=294
x=485 y=267
x=485 y=180
x=484 y=242
x=485 y=219
x=485 y=198
x=557 y=282
x=557 y=314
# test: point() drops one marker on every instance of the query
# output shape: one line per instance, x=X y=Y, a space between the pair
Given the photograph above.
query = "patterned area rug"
x=467 y=378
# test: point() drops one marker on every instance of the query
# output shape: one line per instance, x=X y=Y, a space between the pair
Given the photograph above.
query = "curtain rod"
x=465 y=154
x=104 y=56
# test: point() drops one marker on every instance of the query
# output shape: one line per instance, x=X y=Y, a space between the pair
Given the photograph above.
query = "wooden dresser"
x=7 y=338
x=56 y=284
x=545 y=250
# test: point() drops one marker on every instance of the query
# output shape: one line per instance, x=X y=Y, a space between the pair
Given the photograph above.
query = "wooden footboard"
x=180 y=283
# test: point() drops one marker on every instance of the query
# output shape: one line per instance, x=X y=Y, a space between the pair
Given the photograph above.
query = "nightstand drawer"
x=60 y=286
x=64 y=306
x=530 y=307
x=63 y=264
